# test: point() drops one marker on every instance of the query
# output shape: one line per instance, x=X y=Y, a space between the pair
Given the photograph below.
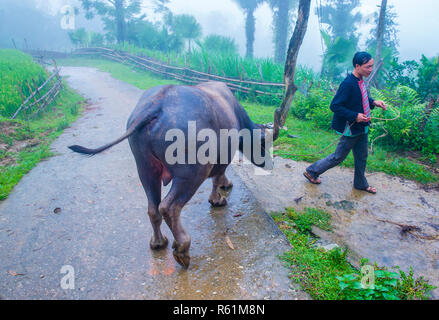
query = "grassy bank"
x=327 y=275
x=308 y=138
x=25 y=142
x=17 y=67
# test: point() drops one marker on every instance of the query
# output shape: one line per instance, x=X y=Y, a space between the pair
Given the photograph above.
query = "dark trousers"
x=358 y=145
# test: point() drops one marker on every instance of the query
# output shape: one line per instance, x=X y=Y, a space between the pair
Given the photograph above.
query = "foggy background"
x=418 y=25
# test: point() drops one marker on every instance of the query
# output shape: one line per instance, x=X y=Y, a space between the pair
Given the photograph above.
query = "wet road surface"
x=91 y=214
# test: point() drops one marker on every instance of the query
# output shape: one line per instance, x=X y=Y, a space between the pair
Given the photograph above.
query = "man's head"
x=363 y=64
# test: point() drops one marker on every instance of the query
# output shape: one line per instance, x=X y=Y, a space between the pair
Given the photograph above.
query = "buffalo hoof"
x=182 y=258
x=158 y=244
x=220 y=202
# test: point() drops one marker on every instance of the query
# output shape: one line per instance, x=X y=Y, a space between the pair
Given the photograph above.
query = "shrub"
x=217 y=43
x=428 y=78
x=406 y=131
x=314 y=106
x=431 y=134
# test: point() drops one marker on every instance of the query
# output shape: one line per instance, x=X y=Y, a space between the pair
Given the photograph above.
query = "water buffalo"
x=211 y=105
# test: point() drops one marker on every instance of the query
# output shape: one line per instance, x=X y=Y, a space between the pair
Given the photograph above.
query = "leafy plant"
x=384 y=288
x=387 y=285
x=406 y=131
x=314 y=106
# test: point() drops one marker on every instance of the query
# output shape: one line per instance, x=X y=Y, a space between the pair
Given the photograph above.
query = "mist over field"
x=38 y=22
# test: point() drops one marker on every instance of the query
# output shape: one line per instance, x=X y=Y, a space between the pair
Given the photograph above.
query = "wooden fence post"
x=37 y=92
x=23 y=99
x=260 y=71
x=32 y=93
x=245 y=72
x=47 y=72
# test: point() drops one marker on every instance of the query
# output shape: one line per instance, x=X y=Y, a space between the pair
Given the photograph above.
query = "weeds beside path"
x=325 y=272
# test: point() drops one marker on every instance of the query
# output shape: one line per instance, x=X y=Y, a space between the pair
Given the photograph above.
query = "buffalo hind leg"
x=215 y=198
x=153 y=190
x=150 y=176
x=170 y=208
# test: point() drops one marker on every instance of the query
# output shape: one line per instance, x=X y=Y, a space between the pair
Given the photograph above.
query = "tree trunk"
x=280 y=115
x=380 y=33
x=281 y=23
x=250 y=32
x=120 y=21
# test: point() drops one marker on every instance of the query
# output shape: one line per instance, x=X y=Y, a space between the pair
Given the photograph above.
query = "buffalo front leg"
x=224 y=183
x=215 y=198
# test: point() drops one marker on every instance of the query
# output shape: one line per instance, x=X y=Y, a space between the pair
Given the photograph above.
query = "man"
x=351 y=106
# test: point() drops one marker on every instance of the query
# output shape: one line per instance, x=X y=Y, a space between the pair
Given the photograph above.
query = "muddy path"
x=91 y=214
x=369 y=225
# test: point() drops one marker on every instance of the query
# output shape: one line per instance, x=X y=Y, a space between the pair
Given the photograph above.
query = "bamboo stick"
x=33 y=94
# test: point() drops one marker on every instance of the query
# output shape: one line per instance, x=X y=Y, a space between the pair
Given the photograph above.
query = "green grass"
x=327 y=275
x=41 y=131
x=310 y=139
x=16 y=67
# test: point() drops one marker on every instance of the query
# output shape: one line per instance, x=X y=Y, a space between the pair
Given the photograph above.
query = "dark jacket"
x=347 y=104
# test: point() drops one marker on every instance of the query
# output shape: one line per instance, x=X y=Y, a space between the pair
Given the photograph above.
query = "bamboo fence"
x=40 y=97
x=184 y=74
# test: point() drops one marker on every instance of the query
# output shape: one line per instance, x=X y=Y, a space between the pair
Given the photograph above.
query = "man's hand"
x=362 y=118
x=380 y=104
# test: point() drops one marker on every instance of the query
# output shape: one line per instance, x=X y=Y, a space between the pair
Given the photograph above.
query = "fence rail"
x=37 y=101
x=184 y=74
